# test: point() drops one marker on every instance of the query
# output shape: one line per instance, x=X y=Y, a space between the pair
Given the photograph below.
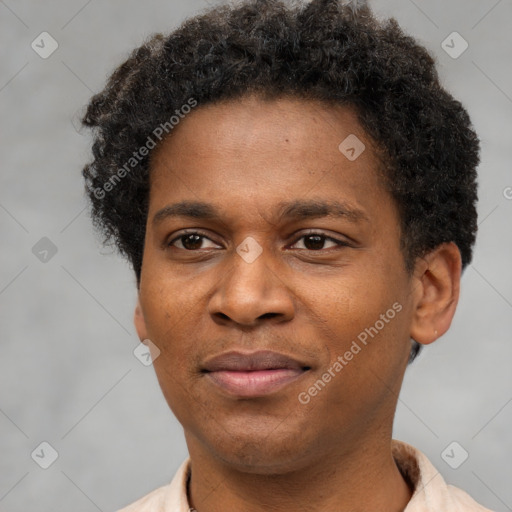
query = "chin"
x=264 y=451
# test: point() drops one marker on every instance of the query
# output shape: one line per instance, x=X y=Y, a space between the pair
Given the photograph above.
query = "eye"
x=193 y=241
x=190 y=241
x=316 y=241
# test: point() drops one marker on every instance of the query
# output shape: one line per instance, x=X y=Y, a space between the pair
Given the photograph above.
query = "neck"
x=360 y=479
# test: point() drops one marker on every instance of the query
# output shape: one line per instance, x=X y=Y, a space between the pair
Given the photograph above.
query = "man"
x=296 y=193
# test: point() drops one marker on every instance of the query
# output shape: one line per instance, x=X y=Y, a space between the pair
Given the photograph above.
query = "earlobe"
x=140 y=322
x=437 y=290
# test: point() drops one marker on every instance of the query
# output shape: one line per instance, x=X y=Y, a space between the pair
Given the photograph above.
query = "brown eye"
x=316 y=242
x=192 y=241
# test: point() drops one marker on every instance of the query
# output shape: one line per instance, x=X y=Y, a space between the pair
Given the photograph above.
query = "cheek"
x=165 y=312
x=174 y=308
x=366 y=321
x=354 y=300
x=166 y=299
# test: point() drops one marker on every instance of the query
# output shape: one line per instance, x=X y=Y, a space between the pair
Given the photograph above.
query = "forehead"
x=277 y=153
x=251 y=119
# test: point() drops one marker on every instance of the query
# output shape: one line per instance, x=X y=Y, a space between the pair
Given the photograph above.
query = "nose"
x=251 y=293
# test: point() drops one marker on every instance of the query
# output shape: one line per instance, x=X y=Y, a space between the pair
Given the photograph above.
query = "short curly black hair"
x=323 y=50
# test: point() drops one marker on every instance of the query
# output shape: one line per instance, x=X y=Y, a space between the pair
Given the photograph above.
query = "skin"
x=304 y=298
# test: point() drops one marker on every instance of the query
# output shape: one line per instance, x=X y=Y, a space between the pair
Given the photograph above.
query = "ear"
x=140 y=322
x=436 y=292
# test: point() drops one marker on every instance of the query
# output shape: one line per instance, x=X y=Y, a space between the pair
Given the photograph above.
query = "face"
x=273 y=284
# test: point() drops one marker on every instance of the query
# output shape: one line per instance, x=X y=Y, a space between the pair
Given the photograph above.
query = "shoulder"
x=430 y=492
x=464 y=501
x=170 y=497
x=152 y=502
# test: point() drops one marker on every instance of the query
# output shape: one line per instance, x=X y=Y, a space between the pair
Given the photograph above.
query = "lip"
x=253 y=374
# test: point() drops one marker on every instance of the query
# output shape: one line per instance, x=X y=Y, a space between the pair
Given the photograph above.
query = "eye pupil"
x=317 y=243
x=196 y=241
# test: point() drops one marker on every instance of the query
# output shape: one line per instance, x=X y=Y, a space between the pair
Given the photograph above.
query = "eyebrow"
x=293 y=210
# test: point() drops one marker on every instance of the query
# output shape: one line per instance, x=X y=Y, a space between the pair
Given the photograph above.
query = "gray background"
x=68 y=375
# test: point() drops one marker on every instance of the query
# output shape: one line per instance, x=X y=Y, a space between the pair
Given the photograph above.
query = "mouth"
x=253 y=374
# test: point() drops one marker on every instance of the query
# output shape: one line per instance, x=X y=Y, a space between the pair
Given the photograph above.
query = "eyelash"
x=339 y=243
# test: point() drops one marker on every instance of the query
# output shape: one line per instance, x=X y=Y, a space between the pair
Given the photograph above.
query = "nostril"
x=268 y=315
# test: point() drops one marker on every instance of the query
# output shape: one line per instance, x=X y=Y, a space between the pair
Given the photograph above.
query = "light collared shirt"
x=431 y=493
